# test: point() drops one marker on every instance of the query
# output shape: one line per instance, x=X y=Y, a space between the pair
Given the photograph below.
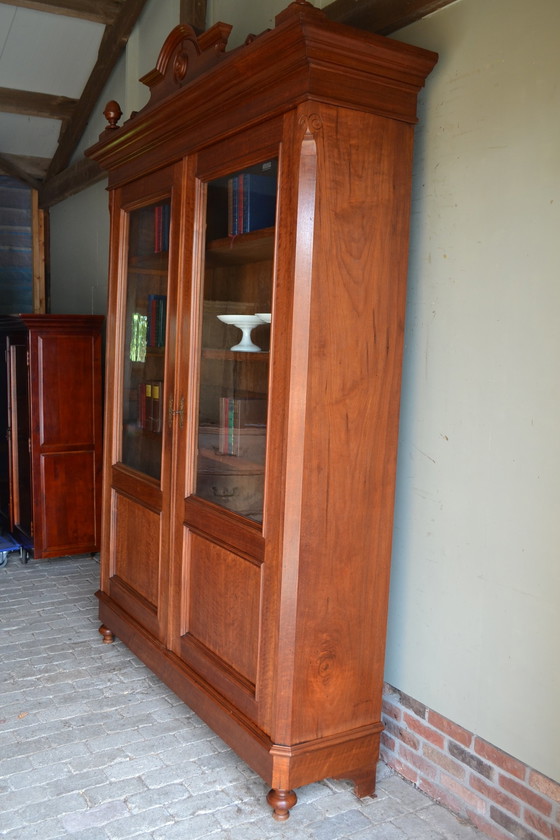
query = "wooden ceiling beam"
x=193 y=12
x=382 y=16
x=100 y=11
x=8 y=167
x=31 y=104
x=112 y=45
x=72 y=180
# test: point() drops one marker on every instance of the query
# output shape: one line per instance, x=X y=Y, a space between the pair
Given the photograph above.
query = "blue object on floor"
x=7 y=545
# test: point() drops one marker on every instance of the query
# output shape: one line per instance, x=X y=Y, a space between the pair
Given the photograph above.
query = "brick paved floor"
x=93 y=746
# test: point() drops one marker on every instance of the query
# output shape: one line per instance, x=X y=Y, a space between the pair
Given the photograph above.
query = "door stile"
x=185 y=398
x=113 y=375
x=173 y=393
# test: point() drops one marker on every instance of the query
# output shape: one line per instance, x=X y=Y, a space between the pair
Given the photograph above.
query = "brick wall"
x=500 y=795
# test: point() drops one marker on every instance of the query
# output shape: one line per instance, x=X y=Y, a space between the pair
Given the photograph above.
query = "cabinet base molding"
x=348 y=755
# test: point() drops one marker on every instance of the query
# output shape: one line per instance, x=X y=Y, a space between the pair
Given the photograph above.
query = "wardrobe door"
x=139 y=437
x=222 y=564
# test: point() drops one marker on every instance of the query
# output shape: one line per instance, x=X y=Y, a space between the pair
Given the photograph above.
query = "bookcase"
x=51 y=417
x=247 y=531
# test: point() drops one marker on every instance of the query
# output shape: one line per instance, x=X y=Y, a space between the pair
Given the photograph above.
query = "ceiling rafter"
x=76 y=177
x=100 y=11
x=8 y=167
x=382 y=16
x=193 y=12
x=30 y=104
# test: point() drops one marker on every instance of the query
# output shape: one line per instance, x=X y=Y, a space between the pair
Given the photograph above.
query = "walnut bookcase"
x=246 y=543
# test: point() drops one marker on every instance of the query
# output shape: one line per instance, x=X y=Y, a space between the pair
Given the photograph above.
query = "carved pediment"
x=184 y=56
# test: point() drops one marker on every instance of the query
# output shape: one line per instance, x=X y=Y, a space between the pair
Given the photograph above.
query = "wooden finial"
x=112 y=113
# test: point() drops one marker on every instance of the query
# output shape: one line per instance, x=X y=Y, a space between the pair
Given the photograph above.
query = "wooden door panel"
x=134 y=582
x=73 y=525
x=222 y=618
x=62 y=417
x=224 y=584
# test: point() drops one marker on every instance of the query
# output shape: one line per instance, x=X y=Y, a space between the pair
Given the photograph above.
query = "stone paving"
x=93 y=746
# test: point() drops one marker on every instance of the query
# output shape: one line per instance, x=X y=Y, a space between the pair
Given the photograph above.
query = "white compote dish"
x=246 y=323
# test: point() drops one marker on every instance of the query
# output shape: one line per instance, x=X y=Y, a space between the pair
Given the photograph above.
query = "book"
x=144 y=412
x=150 y=406
x=161 y=316
x=141 y=419
x=251 y=202
x=236 y=415
x=157 y=228
x=157 y=315
x=156 y=406
x=162 y=215
x=259 y=202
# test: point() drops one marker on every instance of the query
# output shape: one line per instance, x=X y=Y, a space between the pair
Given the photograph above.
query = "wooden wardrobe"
x=51 y=418
x=259 y=233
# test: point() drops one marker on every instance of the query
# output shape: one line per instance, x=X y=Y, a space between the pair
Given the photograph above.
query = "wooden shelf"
x=227 y=463
x=234 y=355
x=256 y=246
x=155 y=264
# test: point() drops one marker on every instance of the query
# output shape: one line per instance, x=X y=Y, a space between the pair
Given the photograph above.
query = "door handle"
x=180 y=411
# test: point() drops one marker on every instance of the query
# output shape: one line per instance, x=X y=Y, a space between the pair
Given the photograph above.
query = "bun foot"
x=108 y=637
x=281 y=801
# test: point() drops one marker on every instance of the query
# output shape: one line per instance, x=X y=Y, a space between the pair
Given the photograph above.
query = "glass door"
x=145 y=336
x=142 y=300
x=236 y=325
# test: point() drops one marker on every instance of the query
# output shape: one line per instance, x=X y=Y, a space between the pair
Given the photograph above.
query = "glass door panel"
x=233 y=398
x=145 y=331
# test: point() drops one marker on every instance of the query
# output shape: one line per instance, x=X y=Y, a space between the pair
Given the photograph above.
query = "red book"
x=157 y=406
